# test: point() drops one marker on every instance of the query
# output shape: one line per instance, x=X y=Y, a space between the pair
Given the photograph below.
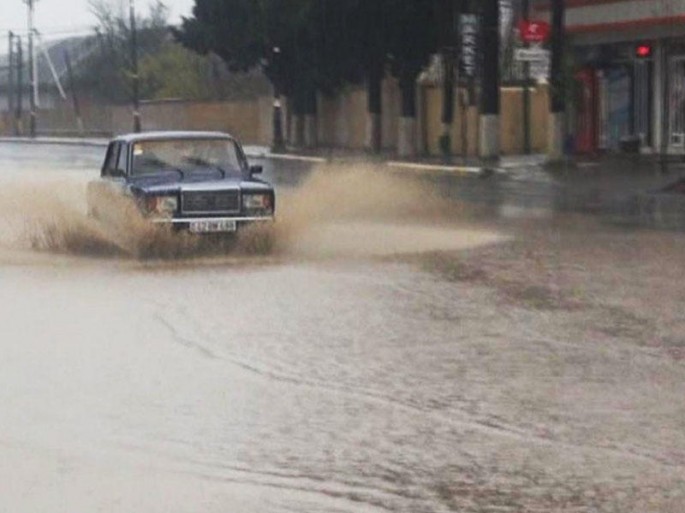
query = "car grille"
x=200 y=202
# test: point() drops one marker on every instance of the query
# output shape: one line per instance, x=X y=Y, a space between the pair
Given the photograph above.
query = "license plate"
x=212 y=226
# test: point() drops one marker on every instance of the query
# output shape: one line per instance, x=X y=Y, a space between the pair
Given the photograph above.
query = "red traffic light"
x=643 y=51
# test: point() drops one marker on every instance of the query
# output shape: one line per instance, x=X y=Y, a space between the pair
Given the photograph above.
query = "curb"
x=436 y=168
x=400 y=165
x=255 y=153
x=286 y=156
x=56 y=141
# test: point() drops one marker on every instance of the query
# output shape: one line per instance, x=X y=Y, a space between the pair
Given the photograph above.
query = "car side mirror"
x=256 y=170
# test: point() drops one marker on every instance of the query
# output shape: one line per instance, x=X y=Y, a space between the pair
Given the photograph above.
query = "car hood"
x=166 y=184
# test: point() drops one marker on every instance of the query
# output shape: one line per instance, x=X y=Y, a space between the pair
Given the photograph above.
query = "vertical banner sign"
x=468 y=30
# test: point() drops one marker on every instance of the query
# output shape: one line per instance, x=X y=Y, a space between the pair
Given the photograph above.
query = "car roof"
x=166 y=135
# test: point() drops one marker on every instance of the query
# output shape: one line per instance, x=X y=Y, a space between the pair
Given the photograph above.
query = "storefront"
x=629 y=62
x=612 y=97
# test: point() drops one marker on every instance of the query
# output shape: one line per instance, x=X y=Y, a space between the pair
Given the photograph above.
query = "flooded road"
x=394 y=352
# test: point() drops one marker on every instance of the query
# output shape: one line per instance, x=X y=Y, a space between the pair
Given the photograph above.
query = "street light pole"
x=10 y=75
x=558 y=92
x=134 y=62
x=489 y=137
x=32 y=70
x=525 y=7
x=445 y=12
x=278 y=141
x=18 y=114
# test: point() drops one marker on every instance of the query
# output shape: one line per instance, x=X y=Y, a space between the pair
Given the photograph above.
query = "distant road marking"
x=436 y=167
x=302 y=158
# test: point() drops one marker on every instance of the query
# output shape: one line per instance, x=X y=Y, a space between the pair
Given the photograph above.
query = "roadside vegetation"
x=167 y=69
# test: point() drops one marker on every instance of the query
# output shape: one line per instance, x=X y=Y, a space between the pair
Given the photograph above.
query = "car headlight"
x=257 y=202
x=161 y=205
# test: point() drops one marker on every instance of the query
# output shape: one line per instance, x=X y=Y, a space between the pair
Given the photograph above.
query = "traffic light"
x=643 y=51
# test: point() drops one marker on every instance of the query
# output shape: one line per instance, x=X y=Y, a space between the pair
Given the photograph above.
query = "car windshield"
x=187 y=156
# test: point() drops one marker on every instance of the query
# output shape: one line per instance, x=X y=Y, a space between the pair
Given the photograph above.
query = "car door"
x=106 y=194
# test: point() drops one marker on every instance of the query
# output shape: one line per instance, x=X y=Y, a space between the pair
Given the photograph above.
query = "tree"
x=412 y=40
x=399 y=35
x=108 y=70
x=367 y=46
x=311 y=46
x=490 y=82
x=175 y=72
x=557 y=89
x=298 y=43
x=445 y=17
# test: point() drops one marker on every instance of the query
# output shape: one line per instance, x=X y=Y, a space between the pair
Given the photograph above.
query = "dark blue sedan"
x=198 y=181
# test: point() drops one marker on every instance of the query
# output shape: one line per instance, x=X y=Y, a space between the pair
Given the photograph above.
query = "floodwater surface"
x=385 y=354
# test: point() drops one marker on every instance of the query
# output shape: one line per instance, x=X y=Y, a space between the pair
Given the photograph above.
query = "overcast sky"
x=56 y=17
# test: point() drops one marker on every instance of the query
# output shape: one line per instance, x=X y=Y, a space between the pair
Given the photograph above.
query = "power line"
x=55 y=33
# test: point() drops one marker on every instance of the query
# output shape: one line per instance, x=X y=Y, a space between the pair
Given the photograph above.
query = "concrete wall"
x=465 y=122
x=391 y=114
x=511 y=136
x=250 y=121
x=341 y=122
x=342 y=119
x=61 y=120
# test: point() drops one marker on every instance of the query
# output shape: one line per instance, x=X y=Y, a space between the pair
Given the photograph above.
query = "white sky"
x=65 y=17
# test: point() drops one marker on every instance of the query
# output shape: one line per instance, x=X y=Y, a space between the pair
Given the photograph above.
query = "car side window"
x=121 y=160
x=244 y=164
x=110 y=160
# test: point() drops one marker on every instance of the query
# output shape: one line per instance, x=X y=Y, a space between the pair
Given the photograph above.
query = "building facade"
x=628 y=59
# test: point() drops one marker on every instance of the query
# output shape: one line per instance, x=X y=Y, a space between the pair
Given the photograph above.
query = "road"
x=398 y=350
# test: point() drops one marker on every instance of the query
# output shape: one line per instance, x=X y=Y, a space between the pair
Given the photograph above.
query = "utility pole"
x=525 y=7
x=489 y=140
x=446 y=17
x=18 y=123
x=10 y=75
x=74 y=96
x=48 y=59
x=134 y=62
x=470 y=44
x=32 y=70
x=278 y=142
x=557 y=121
x=375 y=70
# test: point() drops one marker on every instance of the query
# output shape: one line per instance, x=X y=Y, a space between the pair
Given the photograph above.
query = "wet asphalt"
x=412 y=344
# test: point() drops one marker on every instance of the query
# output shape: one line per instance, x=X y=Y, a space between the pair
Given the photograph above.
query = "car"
x=199 y=182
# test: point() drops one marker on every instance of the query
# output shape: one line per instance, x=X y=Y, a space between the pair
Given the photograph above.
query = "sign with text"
x=468 y=29
x=531 y=54
x=538 y=60
x=534 y=31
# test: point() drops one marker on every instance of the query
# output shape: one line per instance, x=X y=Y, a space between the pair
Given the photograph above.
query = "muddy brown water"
x=384 y=355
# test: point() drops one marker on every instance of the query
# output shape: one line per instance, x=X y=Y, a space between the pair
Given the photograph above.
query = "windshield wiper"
x=165 y=165
x=201 y=162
